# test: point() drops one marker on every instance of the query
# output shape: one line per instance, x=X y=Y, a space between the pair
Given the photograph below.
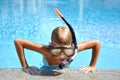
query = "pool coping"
x=66 y=74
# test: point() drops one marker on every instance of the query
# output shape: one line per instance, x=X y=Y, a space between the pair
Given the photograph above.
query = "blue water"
x=35 y=19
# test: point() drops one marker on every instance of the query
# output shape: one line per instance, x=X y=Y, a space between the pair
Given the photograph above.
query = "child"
x=62 y=39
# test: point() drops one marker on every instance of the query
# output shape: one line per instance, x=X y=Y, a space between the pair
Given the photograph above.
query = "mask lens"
x=67 y=52
x=55 y=52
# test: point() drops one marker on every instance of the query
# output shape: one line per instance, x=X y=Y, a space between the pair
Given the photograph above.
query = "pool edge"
x=67 y=74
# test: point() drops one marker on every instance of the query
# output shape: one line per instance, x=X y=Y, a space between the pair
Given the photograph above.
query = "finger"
x=93 y=71
x=31 y=72
x=35 y=71
x=24 y=70
x=87 y=70
x=83 y=69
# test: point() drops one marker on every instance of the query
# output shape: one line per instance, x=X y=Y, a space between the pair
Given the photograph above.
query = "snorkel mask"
x=66 y=62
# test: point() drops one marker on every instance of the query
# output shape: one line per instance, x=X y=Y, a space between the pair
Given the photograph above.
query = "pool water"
x=34 y=20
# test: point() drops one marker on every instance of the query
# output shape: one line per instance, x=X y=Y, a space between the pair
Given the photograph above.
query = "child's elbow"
x=98 y=42
x=16 y=41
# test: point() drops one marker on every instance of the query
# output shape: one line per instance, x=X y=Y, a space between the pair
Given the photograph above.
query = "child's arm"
x=95 y=46
x=20 y=45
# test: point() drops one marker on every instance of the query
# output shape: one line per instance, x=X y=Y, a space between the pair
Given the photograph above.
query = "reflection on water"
x=30 y=18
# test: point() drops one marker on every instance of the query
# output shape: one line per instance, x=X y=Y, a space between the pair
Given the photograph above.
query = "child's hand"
x=87 y=69
x=32 y=70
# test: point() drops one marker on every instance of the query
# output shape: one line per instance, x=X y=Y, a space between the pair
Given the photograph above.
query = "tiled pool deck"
x=67 y=74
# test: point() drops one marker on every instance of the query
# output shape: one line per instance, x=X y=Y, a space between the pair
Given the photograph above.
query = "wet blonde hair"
x=61 y=35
